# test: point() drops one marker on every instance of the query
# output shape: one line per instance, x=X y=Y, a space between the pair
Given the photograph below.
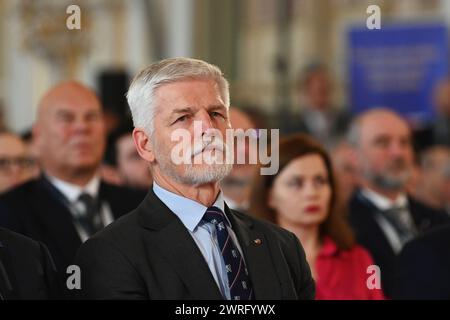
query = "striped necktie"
x=237 y=273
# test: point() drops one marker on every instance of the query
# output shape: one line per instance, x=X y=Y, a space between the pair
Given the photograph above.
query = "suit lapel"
x=57 y=222
x=7 y=277
x=256 y=252
x=421 y=221
x=374 y=230
x=176 y=245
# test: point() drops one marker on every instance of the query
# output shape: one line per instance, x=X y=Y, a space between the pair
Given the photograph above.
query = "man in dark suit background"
x=69 y=202
x=436 y=132
x=423 y=267
x=318 y=117
x=26 y=269
x=183 y=242
x=382 y=213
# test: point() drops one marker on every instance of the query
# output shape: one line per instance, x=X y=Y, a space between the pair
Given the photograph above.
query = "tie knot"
x=86 y=199
x=214 y=215
x=89 y=203
x=396 y=209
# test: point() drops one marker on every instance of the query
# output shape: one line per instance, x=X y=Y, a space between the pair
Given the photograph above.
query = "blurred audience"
x=132 y=169
x=382 y=214
x=16 y=166
x=32 y=150
x=236 y=187
x=302 y=199
x=318 y=117
x=423 y=267
x=438 y=131
x=346 y=170
x=68 y=203
x=433 y=185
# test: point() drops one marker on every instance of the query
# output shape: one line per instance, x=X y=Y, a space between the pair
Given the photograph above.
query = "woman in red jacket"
x=302 y=198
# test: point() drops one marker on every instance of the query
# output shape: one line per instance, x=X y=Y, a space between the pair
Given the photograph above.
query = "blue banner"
x=398 y=67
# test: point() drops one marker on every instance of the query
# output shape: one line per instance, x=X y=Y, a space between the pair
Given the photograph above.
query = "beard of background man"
x=394 y=178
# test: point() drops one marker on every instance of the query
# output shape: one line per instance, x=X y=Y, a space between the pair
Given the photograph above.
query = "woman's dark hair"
x=292 y=147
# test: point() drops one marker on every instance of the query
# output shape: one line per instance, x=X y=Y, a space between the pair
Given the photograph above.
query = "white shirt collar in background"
x=72 y=192
x=384 y=203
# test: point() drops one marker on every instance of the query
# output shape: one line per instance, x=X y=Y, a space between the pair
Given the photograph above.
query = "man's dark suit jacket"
x=423 y=270
x=26 y=269
x=370 y=235
x=149 y=254
x=35 y=210
x=294 y=122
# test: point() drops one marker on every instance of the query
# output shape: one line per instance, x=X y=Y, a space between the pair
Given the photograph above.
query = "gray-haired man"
x=183 y=242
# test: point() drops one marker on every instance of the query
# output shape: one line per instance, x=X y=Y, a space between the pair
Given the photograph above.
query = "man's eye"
x=65 y=117
x=181 y=119
x=93 y=117
x=216 y=114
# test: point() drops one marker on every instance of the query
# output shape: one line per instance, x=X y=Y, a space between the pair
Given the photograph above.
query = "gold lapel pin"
x=257 y=241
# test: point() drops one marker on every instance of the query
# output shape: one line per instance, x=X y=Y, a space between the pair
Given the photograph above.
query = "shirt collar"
x=189 y=211
x=384 y=203
x=72 y=191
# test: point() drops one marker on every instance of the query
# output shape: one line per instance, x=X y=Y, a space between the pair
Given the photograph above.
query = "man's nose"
x=82 y=125
x=398 y=150
x=205 y=119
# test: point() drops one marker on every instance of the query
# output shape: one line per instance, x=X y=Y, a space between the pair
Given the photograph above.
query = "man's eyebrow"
x=63 y=112
x=182 y=110
x=217 y=107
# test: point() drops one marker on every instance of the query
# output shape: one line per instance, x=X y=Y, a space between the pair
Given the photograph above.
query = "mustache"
x=201 y=146
x=398 y=164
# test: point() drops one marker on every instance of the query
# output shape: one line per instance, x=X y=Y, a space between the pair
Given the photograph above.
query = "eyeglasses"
x=6 y=164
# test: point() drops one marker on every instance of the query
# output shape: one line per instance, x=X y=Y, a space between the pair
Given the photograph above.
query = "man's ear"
x=143 y=144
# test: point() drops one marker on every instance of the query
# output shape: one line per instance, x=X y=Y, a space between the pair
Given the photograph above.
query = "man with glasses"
x=15 y=164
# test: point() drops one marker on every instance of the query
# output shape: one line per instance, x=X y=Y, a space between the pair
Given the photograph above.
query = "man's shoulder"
x=437 y=239
x=425 y=217
x=121 y=231
x=359 y=207
x=115 y=190
x=18 y=242
x=426 y=211
x=22 y=191
x=272 y=230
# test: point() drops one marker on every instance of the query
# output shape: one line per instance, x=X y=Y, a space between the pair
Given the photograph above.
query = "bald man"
x=69 y=202
x=383 y=216
x=15 y=164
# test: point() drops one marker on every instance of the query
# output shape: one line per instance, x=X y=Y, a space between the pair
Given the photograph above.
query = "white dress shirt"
x=191 y=213
x=72 y=193
x=383 y=203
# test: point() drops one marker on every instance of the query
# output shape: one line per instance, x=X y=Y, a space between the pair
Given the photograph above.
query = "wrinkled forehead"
x=189 y=93
x=73 y=100
x=384 y=125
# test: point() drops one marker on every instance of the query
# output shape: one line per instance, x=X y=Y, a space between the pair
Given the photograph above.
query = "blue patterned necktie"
x=238 y=279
